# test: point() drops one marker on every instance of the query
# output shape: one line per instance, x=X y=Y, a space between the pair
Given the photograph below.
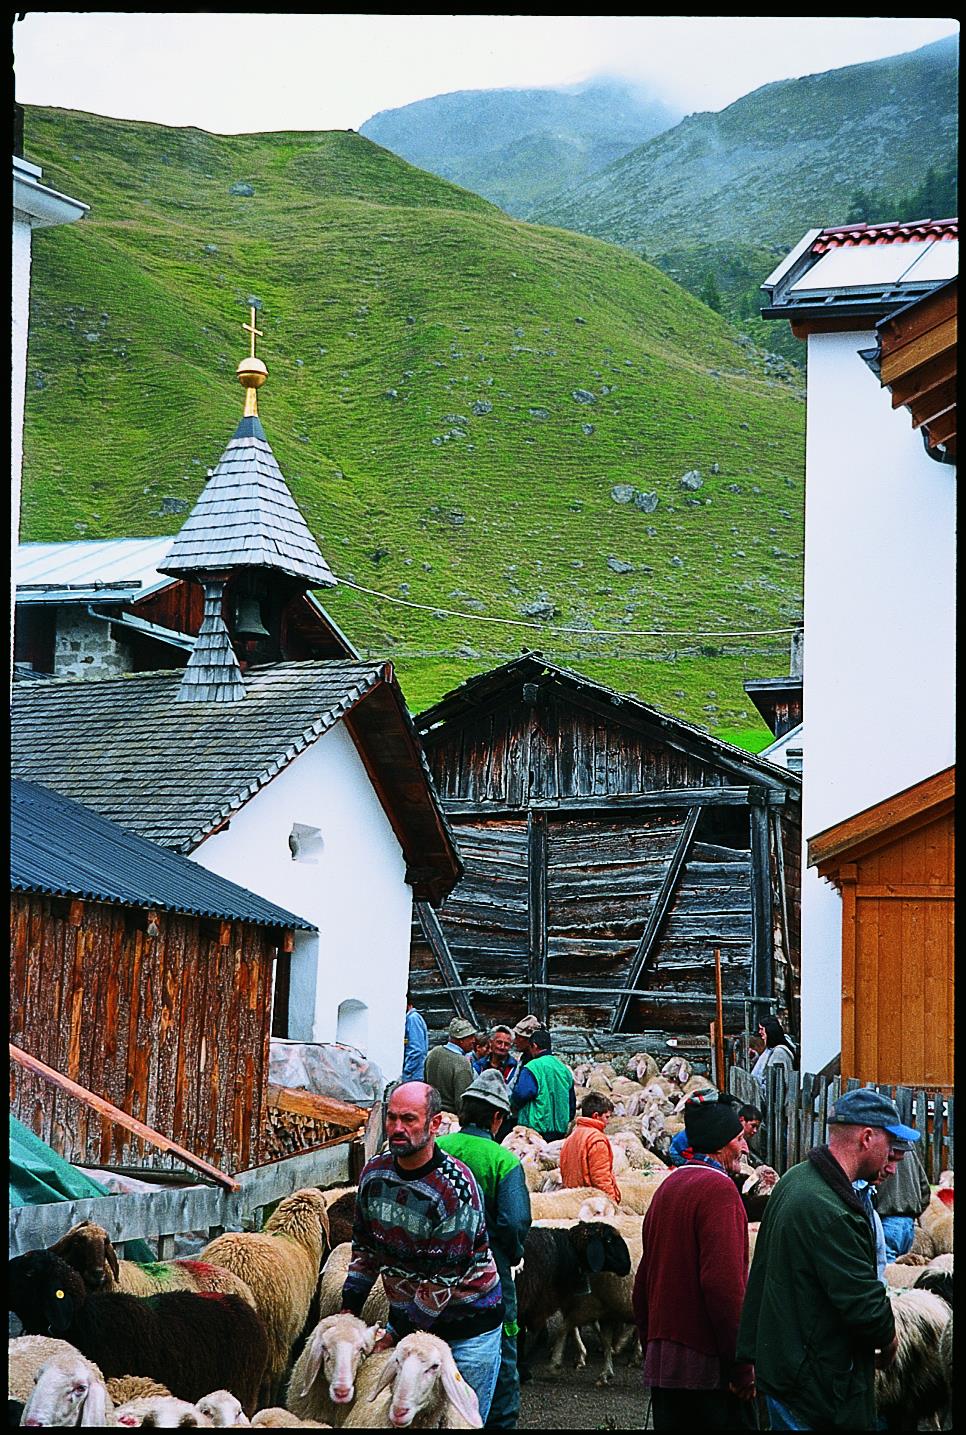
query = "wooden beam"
x=114 y=1113
x=439 y=947
x=916 y=805
x=633 y=802
x=762 y=941
x=659 y=910
x=537 y=911
x=321 y=1108
x=902 y=361
x=942 y=429
x=651 y=994
x=922 y=380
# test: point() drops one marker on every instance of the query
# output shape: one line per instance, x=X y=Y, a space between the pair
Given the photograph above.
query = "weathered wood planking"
x=172 y=1029
x=554 y=922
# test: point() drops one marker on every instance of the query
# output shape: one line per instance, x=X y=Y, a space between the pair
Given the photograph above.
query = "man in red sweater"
x=690 y=1283
x=587 y=1157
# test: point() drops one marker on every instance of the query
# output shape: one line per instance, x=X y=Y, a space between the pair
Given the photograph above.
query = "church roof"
x=174 y=772
x=246 y=517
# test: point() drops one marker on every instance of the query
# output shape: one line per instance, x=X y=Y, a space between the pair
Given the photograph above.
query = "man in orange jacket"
x=587 y=1157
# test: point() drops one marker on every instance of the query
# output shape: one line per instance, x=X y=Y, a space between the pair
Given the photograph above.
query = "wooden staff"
x=719 y=1023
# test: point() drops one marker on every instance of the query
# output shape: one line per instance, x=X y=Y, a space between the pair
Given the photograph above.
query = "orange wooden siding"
x=897 y=959
x=173 y=1029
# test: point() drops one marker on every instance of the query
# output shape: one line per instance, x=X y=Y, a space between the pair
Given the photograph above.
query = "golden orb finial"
x=251 y=372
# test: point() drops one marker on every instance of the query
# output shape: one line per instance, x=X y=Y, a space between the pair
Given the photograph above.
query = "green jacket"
x=550 y=1109
x=506 y=1201
x=815 y=1311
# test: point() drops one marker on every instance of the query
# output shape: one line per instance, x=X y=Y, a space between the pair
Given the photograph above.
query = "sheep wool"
x=376 y=1309
x=324 y=1377
x=68 y=1390
x=27 y=1353
x=416 y=1385
x=164 y=1412
x=913 y=1388
x=280 y=1264
x=88 y=1248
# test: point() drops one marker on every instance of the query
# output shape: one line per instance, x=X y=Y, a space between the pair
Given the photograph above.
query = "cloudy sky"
x=241 y=72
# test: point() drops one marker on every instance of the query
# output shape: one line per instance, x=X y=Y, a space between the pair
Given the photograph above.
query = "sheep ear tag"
x=60 y=1310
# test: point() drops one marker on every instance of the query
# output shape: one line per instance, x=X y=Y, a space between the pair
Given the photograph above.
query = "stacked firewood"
x=302 y=1121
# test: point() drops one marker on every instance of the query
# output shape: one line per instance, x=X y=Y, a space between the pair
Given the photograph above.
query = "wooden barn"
x=609 y=850
x=143 y=978
x=893 y=864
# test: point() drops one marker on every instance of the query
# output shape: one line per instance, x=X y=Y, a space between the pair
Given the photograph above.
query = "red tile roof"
x=853 y=235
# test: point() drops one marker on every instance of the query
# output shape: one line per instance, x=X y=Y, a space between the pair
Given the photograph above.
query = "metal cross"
x=250 y=328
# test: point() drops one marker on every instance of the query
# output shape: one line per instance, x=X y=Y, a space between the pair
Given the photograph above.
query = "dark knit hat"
x=710 y=1120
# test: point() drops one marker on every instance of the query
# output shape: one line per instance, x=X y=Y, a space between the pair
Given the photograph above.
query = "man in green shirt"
x=506 y=1203
x=543 y=1095
x=448 y=1067
x=816 y=1320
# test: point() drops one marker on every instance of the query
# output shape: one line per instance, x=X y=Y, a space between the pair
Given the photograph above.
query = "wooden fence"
x=796 y=1115
x=159 y=1216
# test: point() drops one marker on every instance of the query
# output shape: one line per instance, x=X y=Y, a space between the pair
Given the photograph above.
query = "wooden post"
x=714 y=1055
x=762 y=944
x=719 y=1021
x=537 y=914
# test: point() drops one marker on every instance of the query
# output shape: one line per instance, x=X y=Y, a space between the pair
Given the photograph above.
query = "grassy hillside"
x=723 y=192
x=517 y=147
x=453 y=396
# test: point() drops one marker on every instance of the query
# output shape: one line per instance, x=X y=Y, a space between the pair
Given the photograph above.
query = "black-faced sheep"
x=914 y=1387
x=416 y=1385
x=557 y=1264
x=935 y=1279
x=280 y=1264
x=192 y=1343
x=89 y=1249
x=66 y=1388
x=323 y=1380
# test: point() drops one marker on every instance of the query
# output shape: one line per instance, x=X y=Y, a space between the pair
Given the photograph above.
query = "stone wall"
x=84 y=647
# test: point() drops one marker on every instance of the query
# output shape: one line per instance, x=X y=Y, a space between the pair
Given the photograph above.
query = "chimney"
x=796 y=666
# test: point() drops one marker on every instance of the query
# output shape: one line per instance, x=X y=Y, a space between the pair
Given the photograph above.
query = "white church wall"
x=879 y=691
x=352 y=887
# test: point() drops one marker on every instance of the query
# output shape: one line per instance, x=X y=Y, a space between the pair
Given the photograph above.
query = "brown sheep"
x=89 y=1249
x=280 y=1264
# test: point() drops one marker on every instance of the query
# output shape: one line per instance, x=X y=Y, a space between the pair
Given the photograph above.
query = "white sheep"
x=637 y=1188
x=425 y=1389
x=632 y=1146
x=276 y=1417
x=642 y=1066
x=564 y=1203
x=164 y=1412
x=222 y=1409
x=677 y=1069
x=335 y=1350
x=904 y=1277
x=937 y=1220
x=913 y=1388
x=376 y=1309
x=64 y=1387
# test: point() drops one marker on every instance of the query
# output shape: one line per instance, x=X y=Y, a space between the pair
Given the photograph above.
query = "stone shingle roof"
x=61 y=847
x=172 y=771
x=246 y=517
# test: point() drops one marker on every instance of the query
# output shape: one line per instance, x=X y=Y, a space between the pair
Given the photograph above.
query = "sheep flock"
x=252 y=1334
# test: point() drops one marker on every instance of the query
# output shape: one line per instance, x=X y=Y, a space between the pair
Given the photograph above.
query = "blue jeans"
x=478 y=1361
x=781 y=1418
x=899 y=1232
x=505 y=1406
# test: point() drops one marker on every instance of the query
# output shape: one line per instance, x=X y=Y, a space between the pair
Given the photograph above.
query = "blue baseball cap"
x=867 y=1107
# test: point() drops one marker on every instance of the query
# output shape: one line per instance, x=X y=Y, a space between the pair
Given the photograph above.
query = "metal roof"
x=61 y=847
x=247 y=518
x=865 y=270
x=115 y=568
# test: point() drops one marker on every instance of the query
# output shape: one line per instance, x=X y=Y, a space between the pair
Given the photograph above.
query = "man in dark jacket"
x=506 y=1201
x=691 y=1279
x=816 y=1320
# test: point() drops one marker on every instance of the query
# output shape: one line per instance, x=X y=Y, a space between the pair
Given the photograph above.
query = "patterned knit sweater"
x=424 y=1232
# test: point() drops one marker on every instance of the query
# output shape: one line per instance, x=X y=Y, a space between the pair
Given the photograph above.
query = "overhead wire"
x=558 y=628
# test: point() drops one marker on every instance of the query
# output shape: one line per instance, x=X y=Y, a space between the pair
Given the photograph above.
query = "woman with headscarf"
x=778 y=1051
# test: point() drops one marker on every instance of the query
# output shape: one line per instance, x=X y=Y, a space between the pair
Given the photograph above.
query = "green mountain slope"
x=517 y=147
x=729 y=191
x=453 y=396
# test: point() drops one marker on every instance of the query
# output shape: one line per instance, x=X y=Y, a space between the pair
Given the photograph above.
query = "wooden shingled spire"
x=245 y=518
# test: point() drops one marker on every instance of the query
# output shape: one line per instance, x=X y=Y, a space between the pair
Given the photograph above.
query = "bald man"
x=420 y=1224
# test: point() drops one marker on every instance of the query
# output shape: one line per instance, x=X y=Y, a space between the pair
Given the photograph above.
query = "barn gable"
x=609 y=849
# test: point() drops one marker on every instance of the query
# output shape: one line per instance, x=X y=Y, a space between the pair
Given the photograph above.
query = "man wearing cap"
x=522 y=1033
x=448 y=1067
x=506 y=1201
x=817 y=1320
x=543 y=1095
x=691 y=1280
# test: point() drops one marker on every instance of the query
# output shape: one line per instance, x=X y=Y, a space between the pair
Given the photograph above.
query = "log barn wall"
x=606 y=847
x=173 y=1029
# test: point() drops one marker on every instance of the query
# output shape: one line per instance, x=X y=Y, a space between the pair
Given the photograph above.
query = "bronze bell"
x=248 y=619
